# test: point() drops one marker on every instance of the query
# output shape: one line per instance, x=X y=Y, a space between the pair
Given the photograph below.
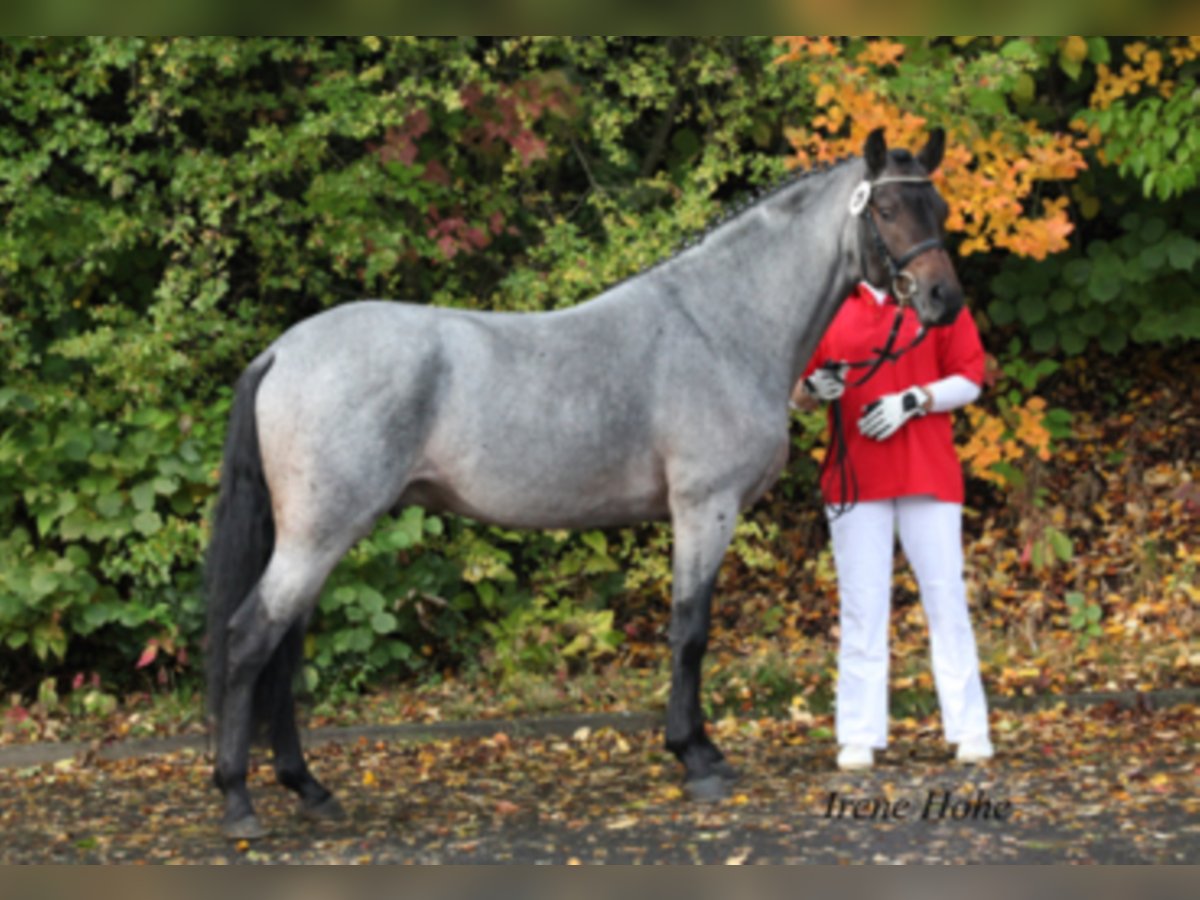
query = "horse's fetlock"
x=293 y=779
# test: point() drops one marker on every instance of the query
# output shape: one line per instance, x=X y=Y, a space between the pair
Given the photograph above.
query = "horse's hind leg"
x=702 y=531
x=275 y=611
x=291 y=770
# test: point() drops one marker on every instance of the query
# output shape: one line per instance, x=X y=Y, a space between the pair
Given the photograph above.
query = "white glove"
x=883 y=417
x=827 y=383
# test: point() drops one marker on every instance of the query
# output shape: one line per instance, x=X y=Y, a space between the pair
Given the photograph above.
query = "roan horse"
x=665 y=396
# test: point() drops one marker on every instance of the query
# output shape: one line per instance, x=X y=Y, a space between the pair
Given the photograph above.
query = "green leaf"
x=1043 y=339
x=1092 y=322
x=1032 y=309
x=1152 y=230
x=1001 y=312
x=384 y=623
x=1007 y=285
x=44 y=582
x=1153 y=257
x=143 y=496
x=596 y=541
x=1061 y=301
x=988 y=101
x=1025 y=88
x=166 y=485
x=109 y=505
x=1181 y=251
x=1077 y=272
x=148 y=523
x=73 y=527
x=1098 y=50
x=1062 y=546
x=1105 y=282
x=1019 y=49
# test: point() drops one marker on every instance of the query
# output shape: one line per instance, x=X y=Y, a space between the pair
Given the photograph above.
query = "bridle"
x=904 y=284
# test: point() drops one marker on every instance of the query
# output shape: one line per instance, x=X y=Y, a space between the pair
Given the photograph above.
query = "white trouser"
x=864 y=539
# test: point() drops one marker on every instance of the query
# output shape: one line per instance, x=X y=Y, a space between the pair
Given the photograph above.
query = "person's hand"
x=883 y=417
x=827 y=383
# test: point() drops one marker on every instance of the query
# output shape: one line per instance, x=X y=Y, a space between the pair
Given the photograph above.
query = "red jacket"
x=920 y=457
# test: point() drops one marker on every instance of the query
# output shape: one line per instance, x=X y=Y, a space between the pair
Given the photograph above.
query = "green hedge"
x=170 y=206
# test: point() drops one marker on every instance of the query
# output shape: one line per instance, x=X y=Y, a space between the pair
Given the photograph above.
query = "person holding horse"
x=892 y=467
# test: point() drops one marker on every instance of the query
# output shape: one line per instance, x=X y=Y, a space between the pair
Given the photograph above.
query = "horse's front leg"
x=702 y=534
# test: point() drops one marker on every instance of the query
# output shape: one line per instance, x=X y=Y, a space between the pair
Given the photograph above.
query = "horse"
x=664 y=397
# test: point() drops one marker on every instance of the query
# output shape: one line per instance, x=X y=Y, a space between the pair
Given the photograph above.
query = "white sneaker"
x=855 y=756
x=974 y=750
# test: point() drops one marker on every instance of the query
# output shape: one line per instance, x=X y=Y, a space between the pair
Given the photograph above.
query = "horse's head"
x=900 y=228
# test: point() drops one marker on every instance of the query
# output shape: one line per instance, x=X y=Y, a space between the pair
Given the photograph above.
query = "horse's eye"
x=887 y=213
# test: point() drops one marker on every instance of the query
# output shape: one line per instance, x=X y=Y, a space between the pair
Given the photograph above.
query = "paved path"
x=1098 y=785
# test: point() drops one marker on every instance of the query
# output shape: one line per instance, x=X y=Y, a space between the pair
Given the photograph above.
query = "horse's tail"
x=243 y=537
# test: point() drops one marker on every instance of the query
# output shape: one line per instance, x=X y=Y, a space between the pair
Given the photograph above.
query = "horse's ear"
x=875 y=152
x=930 y=156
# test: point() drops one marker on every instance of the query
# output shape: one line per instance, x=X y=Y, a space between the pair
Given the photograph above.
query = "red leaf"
x=448 y=245
x=148 y=655
x=436 y=173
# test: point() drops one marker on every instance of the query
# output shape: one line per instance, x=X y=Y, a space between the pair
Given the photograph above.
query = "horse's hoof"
x=724 y=770
x=247 y=828
x=327 y=810
x=709 y=789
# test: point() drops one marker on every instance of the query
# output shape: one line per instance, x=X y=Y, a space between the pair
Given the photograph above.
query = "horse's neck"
x=771 y=280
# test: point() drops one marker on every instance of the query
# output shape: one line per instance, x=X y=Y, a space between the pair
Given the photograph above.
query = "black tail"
x=243 y=536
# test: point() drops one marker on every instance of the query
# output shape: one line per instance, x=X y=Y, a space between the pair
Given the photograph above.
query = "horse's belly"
x=542 y=496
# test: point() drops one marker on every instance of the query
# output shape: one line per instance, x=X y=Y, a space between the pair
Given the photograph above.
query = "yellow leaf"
x=738 y=858
x=1075 y=49
x=368 y=779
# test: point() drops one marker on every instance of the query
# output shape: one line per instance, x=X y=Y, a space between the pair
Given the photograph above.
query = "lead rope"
x=903 y=286
x=838 y=455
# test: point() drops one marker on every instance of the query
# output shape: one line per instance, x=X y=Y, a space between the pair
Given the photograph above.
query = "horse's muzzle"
x=944 y=303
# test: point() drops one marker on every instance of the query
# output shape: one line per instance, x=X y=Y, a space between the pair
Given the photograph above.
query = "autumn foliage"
x=991 y=176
